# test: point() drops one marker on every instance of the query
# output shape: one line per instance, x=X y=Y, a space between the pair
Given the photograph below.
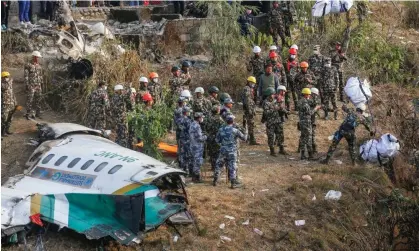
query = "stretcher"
x=166 y=148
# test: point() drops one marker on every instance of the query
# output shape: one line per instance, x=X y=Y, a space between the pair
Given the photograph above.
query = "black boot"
x=282 y=150
x=325 y=161
x=272 y=149
x=336 y=115
x=314 y=148
x=8 y=130
x=303 y=155
x=310 y=155
x=235 y=183
x=326 y=114
x=215 y=181
x=3 y=132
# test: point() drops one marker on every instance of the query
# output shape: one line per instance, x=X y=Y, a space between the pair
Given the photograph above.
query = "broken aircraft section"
x=80 y=180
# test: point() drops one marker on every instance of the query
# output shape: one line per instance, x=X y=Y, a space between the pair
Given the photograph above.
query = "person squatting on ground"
x=329 y=84
x=338 y=57
x=274 y=125
x=276 y=24
x=98 y=107
x=212 y=125
x=347 y=130
x=33 y=82
x=249 y=108
x=197 y=141
x=305 y=113
x=120 y=104
x=227 y=139
x=291 y=70
x=8 y=103
x=183 y=124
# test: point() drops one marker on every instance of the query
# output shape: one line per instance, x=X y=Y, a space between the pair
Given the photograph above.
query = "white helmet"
x=118 y=87
x=361 y=106
x=186 y=94
x=257 y=49
x=294 y=46
x=273 y=47
x=314 y=90
x=199 y=89
x=281 y=88
x=143 y=79
x=36 y=54
x=133 y=90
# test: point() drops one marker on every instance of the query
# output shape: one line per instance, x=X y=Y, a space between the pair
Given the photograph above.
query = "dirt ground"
x=268 y=199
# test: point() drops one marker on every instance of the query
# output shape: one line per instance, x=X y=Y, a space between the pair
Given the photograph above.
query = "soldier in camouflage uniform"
x=278 y=68
x=316 y=62
x=184 y=155
x=305 y=113
x=200 y=103
x=142 y=89
x=347 y=131
x=329 y=83
x=249 y=108
x=276 y=24
x=33 y=82
x=155 y=88
x=337 y=61
x=256 y=64
x=176 y=81
x=197 y=140
x=291 y=70
x=120 y=105
x=213 y=95
x=274 y=125
x=305 y=78
x=227 y=139
x=212 y=125
x=289 y=15
x=98 y=107
x=315 y=101
x=132 y=95
x=185 y=75
x=8 y=103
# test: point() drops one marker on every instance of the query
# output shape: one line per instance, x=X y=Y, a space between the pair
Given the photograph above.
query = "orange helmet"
x=153 y=75
x=304 y=64
x=147 y=97
x=273 y=55
x=293 y=51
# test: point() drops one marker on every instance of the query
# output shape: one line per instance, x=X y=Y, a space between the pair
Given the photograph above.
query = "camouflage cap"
x=186 y=109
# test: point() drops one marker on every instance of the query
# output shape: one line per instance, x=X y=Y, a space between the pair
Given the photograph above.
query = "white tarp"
x=368 y=151
x=324 y=7
x=388 y=145
x=357 y=91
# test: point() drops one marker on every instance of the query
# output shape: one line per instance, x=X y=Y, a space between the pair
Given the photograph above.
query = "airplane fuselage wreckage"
x=78 y=179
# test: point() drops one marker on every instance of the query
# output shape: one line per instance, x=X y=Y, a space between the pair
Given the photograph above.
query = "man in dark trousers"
x=5 y=7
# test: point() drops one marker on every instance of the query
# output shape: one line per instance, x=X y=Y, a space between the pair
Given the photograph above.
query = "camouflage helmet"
x=269 y=91
x=213 y=89
x=223 y=96
x=175 y=68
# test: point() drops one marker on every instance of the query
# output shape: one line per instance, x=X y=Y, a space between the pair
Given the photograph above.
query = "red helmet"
x=153 y=75
x=273 y=55
x=293 y=51
x=147 y=97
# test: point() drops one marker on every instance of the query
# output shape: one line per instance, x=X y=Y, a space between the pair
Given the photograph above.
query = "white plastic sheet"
x=368 y=151
x=388 y=145
x=357 y=91
x=324 y=7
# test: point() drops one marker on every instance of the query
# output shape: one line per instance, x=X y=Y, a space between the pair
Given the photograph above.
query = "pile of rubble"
x=147 y=28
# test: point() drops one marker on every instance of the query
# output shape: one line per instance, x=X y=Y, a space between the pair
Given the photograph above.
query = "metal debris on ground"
x=339 y=162
x=333 y=195
x=306 y=178
x=229 y=217
x=330 y=138
x=222 y=226
x=300 y=223
x=175 y=238
x=224 y=238
x=247 y=222
x=257 y=231
x=314 y=198
x=264 y=190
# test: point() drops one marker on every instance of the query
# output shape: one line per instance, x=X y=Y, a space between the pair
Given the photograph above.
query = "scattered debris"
x=339 y=162
x=229 y=217
x=306 y=178
x=247 y=222
x=333 y=195
x=264 y=190
x=314 y=198
x=224 y=238
x=175 y=238
x=330 y=138
x=291 y=158
x=300 y=223
x=253 y=193
x=257 y=231
x=222 y=226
